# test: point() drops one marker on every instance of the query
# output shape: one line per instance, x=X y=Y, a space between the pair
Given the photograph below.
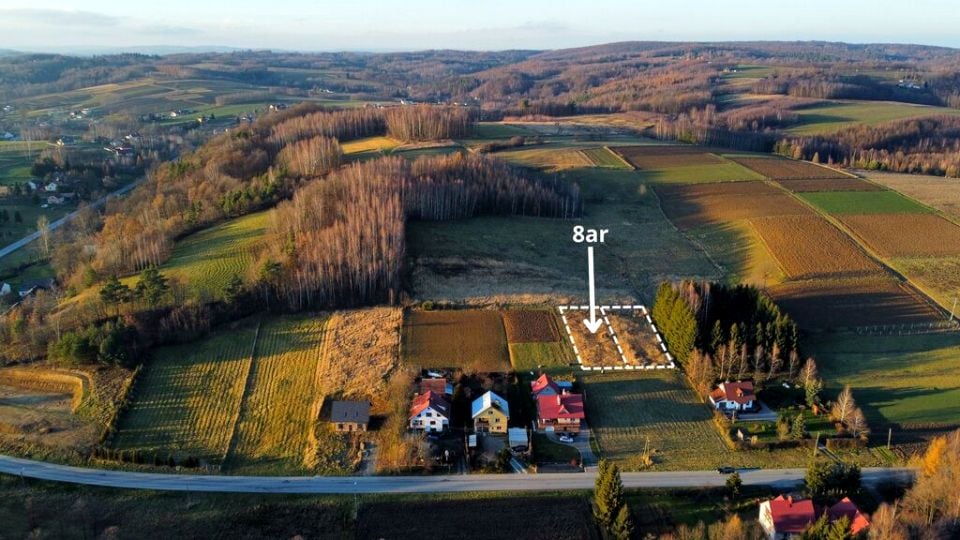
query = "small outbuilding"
x=350 y=416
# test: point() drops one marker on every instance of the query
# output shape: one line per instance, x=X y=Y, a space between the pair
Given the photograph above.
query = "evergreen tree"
x=622 y=526
x=799 y=428
x=233 y=289
x=114 y=292
x=734 y=485
x=152 y=286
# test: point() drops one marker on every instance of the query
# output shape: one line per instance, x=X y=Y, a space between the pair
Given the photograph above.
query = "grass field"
x=738 y=249
x=863 y=202
x=187 y=398
x=809 y=247
x=724 y=171
x=935 y=191
x=695 y=205
x=906 y=380
x=280 y=407
x=835 y=115
x=530 y=356
x=938 y=277
x=604 y=157
x=497 y=130
x=906 y=235
x=787 y=169
x=471 y=339
x=548 y=157
x=370 y=144
x=800 y=185
x=207 y=260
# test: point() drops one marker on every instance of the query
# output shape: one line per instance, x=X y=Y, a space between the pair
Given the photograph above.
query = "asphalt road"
x=10 y=248
x=783 y=478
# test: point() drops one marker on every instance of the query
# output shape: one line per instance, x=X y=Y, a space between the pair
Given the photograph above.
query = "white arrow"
x=593 y=323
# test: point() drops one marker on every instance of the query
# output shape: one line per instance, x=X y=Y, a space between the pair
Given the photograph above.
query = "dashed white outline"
x=623 y=358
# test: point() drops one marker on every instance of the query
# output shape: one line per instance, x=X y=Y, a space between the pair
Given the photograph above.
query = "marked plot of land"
x=627 y=339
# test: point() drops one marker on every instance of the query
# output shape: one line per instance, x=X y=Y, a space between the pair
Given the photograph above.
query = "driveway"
x=765 y=414
x=582 y=443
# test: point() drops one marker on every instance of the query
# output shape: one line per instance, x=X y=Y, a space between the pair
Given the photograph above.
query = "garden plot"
x=627 y=339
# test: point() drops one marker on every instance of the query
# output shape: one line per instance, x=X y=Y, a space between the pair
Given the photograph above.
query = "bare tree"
x=843 y=407
x=43 y=227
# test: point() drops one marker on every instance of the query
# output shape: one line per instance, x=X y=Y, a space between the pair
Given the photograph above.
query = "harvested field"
x=569 y=518
x=787 y=169
x=863 y=202
x=604 y=157
x=529 y=325
x=694 y=205
x=801 y=185
x=282 y=399
x=809 y=247
x=471 y=339
x=665 y=156
x=851 y=303
x=640 y=344
x=936 y=191
x=906 y=235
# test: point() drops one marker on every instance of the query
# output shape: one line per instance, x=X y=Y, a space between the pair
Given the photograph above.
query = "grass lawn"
x=906 y=380
x=725 y=171
x=835 y=115
x=863 y=202
x=530 y=356
x=547 y=451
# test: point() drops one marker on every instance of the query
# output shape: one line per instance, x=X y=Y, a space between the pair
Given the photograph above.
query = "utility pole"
x=953 y=309
x=889 y=437
x=816 y=445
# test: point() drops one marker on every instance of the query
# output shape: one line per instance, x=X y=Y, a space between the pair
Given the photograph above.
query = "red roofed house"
x=561 y=412
x=736 y=396
x=430 y=412
x=438 y=385
x=846 y=507
x=785 y=517
x=544 y=386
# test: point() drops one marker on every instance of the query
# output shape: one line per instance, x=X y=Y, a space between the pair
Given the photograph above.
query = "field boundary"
x=232 y=440
x=613 y=335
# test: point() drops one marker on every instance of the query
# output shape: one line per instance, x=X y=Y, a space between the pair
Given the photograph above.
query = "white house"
x=736 y=396
x=430 y=412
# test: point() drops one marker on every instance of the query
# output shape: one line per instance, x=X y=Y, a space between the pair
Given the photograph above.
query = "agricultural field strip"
x=613 y=335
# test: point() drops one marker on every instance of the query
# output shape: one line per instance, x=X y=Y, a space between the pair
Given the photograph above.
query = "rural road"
x=54 y=225
x=784 y=478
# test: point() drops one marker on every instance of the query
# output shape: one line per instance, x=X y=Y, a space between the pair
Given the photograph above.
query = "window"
x=340 y=426
x=429 y=414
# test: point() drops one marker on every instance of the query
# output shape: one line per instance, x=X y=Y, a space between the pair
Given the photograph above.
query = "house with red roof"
x=438 y=385
x=544 y=386
x=430 y=412
x=846 y=508
x=562 y=412
x=736 y=396
x=786 y=517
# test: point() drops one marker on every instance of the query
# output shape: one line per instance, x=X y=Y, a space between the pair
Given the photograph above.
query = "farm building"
x=430 y=412
x=736 y=396
x=490 y=414
x=561 y=412
x=348 y=416
x=786 y=517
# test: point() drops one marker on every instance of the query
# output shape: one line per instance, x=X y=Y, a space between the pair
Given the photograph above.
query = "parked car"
x=564 y=438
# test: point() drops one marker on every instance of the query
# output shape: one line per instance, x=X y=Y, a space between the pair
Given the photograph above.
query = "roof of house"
x=350 y=411
x=565 y=406
x=41 y=283
x=430 y=400
x=738 y=392
x=438 y=385
x=542 y=384
x=846 y=507
x=791 y=515
x=488 y=400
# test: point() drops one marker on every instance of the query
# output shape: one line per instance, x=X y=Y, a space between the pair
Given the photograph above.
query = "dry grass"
x=850 y=303
x=640 y=345
x=936 y=191
x=530 y=326
x=809 y=247
x=370 y=144
x=906 y=235
x=595 y=349
x=788 y=169
x=800 y=185
x=695 y=205
x=549 y=158
x=472 y=339
x=938 y=277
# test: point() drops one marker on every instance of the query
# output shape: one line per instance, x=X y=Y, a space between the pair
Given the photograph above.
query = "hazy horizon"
x=92 y=26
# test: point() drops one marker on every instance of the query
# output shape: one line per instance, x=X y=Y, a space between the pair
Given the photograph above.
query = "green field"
x=187 y=398
x=863 y=202
x=726 y=171
x=833 y=116
x=207 y=260
x=906 y=380
x=530 y=356
x=604 y=157
x=496 y=130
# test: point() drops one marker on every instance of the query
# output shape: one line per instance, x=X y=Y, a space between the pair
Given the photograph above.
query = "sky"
x=381 y=25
